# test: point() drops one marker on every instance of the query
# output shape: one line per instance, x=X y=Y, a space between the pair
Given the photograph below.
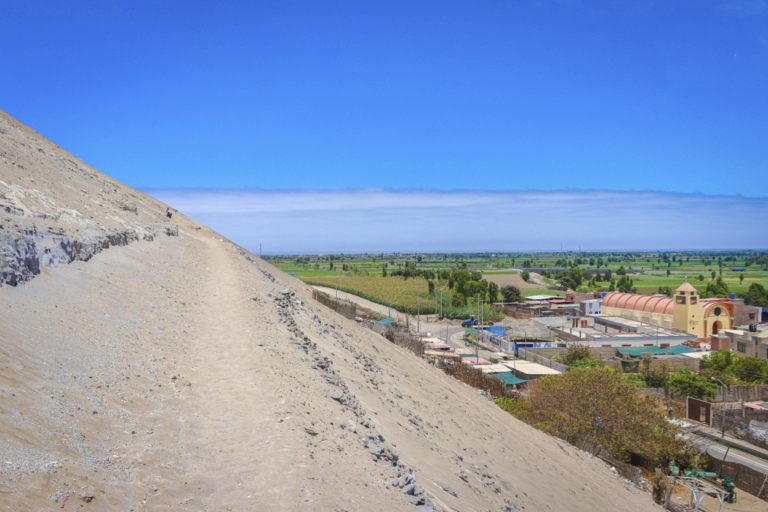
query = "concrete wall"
x=743 y=314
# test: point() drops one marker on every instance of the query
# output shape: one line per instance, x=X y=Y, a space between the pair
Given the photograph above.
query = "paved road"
x=718 y=450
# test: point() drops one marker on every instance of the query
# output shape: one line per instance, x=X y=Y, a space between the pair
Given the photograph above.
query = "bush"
x=589 y=362
x=587 y=406
x=575 y=353
x=654 y=377
x=476 y=378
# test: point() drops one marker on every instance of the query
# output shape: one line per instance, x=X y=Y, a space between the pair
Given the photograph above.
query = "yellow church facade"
x=685 y=311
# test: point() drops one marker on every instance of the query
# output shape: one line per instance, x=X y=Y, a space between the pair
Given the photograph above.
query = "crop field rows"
x=371 y=276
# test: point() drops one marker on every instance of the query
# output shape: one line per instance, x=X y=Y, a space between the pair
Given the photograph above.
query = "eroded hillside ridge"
x=57 y=209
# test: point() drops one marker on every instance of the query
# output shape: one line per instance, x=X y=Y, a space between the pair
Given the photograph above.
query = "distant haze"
x=354 y=221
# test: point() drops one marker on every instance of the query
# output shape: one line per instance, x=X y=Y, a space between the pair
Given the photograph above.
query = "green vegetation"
x=732 y=368
x=579 y=356
x=685 y=383
x=756 y=295
x=597 y=406
x=457 y=294
x=713 y=273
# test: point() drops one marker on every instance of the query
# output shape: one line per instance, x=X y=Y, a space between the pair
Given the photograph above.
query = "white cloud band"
x=430 y=220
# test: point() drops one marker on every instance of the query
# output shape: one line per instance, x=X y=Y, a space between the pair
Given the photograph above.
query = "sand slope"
x=183 y=373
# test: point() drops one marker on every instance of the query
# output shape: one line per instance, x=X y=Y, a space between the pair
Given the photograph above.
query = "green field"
x=403 y=294
x=649 y=272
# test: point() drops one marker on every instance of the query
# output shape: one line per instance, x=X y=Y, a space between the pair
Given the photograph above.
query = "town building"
x=591 y=307
x=750 y=342
x=685 y=311
x=613 y=331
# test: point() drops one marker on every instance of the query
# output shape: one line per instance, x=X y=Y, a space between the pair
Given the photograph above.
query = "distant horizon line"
x=458 y=252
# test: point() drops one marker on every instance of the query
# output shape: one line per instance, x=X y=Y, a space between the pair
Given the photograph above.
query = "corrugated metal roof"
x=639 y=351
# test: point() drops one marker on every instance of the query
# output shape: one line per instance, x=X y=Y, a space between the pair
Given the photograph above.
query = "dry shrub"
x=476 y=378
x=403 y=338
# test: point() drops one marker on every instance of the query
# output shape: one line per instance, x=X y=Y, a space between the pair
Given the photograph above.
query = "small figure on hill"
x=168 y=213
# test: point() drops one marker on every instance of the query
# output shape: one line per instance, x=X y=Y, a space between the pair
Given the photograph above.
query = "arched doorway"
x=717 y=326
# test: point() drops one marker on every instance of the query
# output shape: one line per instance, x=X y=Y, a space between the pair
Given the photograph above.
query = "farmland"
x=380 y=277
x=406 y=294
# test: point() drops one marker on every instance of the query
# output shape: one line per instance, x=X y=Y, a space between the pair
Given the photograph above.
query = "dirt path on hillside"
x=184 y=374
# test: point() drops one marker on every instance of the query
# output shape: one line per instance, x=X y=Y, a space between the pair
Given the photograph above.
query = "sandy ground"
x=176 y=374
x=182 y=373
x=535 y=281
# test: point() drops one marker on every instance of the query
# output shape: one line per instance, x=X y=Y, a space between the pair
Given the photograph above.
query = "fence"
x=529 y=355
x=343 y=307
x=748 y=479
x=742 y=393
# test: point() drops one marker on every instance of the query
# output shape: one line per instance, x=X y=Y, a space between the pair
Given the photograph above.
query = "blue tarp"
x=495 y=329
x=386 y=321
x=508 y=378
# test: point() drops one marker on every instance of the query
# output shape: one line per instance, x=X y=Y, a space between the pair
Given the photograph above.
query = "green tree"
x=458 y=300
x=686 y=383
x=493 y=291
x=716 y=289
x=750 y=369
x=756 y=295
x=525 y=275
x=625 y=285
x=718 y=361
x=596 y=405
x=571 y=278
x=510 y=294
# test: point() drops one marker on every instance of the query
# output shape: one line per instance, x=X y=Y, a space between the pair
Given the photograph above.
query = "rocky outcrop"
x=56 y=209
x=24 y=254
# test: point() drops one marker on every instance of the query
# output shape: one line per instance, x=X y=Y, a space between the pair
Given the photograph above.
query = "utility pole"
x=722 y=421
x=418 y=317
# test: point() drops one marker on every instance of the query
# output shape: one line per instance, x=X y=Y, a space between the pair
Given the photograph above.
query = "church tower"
x=685 y=316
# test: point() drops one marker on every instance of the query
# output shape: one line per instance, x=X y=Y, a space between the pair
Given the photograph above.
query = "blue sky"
x=371 y=220
x=525 y=96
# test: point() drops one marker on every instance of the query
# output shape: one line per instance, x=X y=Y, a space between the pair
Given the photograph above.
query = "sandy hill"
x=149 y=364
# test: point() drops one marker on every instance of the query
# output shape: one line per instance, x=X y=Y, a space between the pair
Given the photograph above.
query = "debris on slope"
x=55 y=209
x=401 y=476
